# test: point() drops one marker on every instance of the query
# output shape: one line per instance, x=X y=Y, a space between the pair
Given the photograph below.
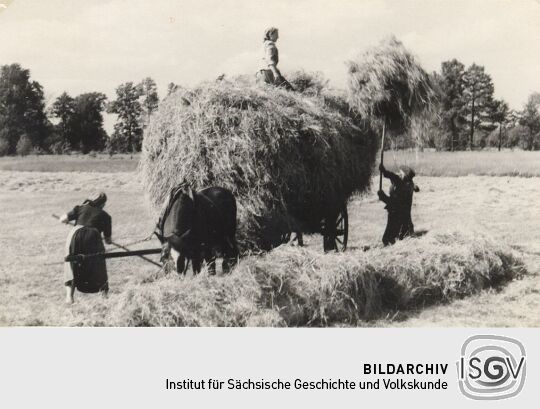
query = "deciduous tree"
x=127 y=136
x=22 y=108
x=149 y=99
x=88 y=130
x=63 y=108
x=530 y=120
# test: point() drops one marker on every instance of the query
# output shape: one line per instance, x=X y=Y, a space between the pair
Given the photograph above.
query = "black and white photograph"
x=234 y=163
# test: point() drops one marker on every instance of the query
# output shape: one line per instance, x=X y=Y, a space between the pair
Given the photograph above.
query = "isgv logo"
x=491 y=367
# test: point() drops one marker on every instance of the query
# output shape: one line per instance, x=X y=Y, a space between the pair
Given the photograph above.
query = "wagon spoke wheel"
x=336 y=232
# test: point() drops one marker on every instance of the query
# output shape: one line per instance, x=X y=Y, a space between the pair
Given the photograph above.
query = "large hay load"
x=291 y=159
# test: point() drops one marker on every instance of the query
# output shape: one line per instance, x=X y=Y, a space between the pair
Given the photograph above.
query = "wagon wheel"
x=336 y=232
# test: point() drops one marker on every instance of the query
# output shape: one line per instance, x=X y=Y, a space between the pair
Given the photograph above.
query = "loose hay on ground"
x=440 y=267
x=300 y=287
x=203 y=301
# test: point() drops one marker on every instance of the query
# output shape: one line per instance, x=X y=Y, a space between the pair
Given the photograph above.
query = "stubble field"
x=501 y=205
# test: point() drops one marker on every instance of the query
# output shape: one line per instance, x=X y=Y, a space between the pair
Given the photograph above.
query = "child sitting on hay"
x=398 y=204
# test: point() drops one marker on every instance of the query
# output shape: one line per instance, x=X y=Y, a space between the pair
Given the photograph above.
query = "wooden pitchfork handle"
x=116 y=254
x=121 y=247
x=382 y=152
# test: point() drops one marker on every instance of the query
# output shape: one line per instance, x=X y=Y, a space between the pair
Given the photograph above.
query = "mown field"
x=98 y=163
x=426 y=163
x=490 y=200
x=483 y=163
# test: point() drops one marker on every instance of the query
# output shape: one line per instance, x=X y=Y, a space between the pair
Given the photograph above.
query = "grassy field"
x=480 y=163
x=31 y=293
x=99 y=163
x=427 y=163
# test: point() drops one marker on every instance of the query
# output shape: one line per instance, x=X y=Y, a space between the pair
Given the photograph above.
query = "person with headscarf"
x=398 y=204
x=91 y=223
x=269 y=72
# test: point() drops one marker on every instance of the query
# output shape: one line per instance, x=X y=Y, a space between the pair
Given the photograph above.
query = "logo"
x=491 y=367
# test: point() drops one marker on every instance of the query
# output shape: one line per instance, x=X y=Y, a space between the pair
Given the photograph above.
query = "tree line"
x=464 y=115
x=71 y=123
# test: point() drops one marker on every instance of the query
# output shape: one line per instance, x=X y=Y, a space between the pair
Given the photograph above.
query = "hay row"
x=300 y=287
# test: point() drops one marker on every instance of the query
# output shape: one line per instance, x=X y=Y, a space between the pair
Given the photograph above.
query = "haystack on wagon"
x=292 y=160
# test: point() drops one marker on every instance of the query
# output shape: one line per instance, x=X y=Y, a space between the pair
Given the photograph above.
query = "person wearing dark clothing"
x=398 y=204
x=90 y=215
x=91 y=222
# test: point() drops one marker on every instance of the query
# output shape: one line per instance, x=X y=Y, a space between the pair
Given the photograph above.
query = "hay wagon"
x=333 y=226
x=291 y=160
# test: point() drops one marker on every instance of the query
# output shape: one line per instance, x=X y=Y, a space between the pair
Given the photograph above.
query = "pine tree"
x=478 y=97
x=500 y=116
x=452 y=100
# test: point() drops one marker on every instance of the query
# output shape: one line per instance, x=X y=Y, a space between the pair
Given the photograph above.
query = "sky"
x=95 y=45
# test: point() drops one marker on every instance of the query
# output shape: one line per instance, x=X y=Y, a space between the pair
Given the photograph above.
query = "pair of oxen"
x=195 y=225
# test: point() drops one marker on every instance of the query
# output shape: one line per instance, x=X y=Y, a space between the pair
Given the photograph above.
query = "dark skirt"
x=90 y=276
